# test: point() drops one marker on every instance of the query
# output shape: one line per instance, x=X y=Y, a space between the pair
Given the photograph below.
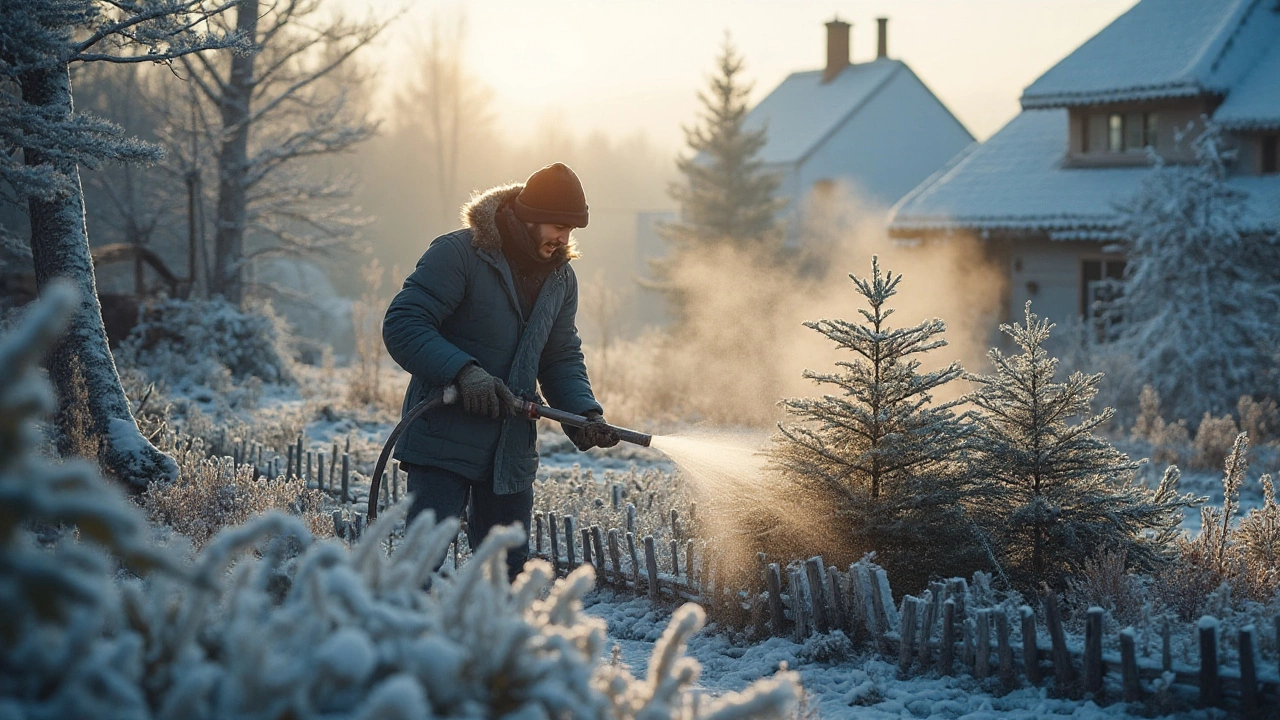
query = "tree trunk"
x=91 y=400
x=233 y=164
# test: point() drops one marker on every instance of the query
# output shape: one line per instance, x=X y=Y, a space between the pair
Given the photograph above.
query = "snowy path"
x=839 y=682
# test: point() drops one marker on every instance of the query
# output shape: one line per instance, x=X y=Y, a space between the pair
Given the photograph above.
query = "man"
x=491 y=308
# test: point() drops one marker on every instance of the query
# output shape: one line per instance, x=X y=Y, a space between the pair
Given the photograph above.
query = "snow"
x=802 y=111
x=1158 y=49
x=1016 y=180
x=1208 y=622
x=1254 y=103
x=853 y=685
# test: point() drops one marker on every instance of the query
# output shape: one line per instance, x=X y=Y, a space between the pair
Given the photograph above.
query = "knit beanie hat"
x=552 y=195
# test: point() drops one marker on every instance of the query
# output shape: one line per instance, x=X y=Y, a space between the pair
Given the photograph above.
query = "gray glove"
x=483 y=394
x=596 y=433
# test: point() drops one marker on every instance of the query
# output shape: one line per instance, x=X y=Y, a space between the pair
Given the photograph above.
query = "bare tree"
x=39 y=41
x=447 y=111
x=277 y=108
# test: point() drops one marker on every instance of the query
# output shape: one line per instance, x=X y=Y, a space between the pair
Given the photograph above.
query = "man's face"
x=550 y=238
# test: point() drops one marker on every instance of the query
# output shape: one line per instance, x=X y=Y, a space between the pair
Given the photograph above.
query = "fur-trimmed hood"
x=480 y=214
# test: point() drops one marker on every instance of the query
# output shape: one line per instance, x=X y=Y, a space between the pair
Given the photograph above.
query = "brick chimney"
x=882 y=38
x=837 y=49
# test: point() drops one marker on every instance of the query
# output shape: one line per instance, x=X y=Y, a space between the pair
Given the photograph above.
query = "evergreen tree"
x=880 y=455
x=726 y=196
x=1047 y=490
x=1200 y=308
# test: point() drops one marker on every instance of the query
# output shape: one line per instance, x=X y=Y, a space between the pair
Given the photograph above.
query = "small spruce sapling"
x=1048 y=491
x=880 y=453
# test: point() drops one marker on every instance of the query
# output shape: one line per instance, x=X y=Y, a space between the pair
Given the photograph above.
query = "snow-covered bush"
x=1261 y=419
x=1244 y=556
x=1215 y=437
x=294 y=627
x=208 y=343
x=1201 y=292
x=1048 y=491
x=1168 y=441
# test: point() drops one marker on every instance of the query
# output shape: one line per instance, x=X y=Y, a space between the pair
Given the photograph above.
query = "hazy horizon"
x=633 y=68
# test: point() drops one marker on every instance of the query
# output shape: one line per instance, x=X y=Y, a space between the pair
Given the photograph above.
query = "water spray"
x=448 y=395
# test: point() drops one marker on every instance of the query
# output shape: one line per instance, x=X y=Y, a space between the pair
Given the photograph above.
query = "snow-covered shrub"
x=1200 y=301
x=1245 y=556
x=213 y=493
x=293 y=627
x=1261 y=419
x=208 y=343
x=1106 y=581
x=1214 y=439
x=875 y=463
x=1048 y=491
x=1168 y=442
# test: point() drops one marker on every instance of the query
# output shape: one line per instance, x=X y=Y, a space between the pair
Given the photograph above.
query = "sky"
x=631 y=67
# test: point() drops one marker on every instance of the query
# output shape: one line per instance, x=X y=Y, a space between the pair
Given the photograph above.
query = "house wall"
x=899 y=137
x=1048 y=273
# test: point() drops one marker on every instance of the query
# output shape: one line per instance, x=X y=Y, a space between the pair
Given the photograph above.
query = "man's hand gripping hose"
x=449 y=394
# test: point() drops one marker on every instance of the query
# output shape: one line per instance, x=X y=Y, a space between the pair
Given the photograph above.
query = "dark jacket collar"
x=480 y=214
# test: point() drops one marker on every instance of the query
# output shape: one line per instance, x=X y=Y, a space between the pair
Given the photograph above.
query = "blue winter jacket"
x=460 y=305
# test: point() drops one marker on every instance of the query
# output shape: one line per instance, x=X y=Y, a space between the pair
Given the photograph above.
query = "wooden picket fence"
x=945 y=630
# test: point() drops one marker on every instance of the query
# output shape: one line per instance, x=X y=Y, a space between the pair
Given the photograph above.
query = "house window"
x=1115 y=133
x=1099 y=285
x=1120 y=132
x=1270 y=154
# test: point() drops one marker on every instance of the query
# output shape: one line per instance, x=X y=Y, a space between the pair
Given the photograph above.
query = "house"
x=871 y=128
x=1041 y=194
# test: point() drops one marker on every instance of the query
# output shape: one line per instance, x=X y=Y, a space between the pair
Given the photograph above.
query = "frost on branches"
x=1200 y=308
x=879 y=455
x=1048 y=491
x=265 y=622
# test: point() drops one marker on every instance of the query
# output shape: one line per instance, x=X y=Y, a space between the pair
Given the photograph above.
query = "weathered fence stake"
x=1210 y=693
x=907 y=641
x=1063 y=673
x=297 y=456
x=927 y=608
x=311 y=456
x=838 y=613
x=631 y=518
x=539 y=527
x=817 y=599
x=948 y=649
x=773 y=577
x=795 y=586
x=554 y=535
x=651 y=564
x=615 y=554
x=395 y=481
x=597 y=543
x=1129 y=667
x=675 y=559
x=1030 y=648
x=982 y=658
x=1248 y=673
x=571 y=557
x=616 y=491
x=320 y=471
x=586 y=547
x=288 y=472
x=688 y=565
x=635 y=561
x=1093 y=669
x=1003 y=648
x=346 y=476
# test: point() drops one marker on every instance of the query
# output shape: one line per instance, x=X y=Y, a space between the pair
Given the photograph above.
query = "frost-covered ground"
x=839 y=682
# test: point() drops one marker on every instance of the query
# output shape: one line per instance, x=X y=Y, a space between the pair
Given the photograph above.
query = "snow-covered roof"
x=1016 y=181
x=1162 y=49
x=803 y=111
x=1254 y=103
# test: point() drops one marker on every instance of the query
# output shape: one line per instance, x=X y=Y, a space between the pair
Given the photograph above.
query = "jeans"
x=447 y=494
